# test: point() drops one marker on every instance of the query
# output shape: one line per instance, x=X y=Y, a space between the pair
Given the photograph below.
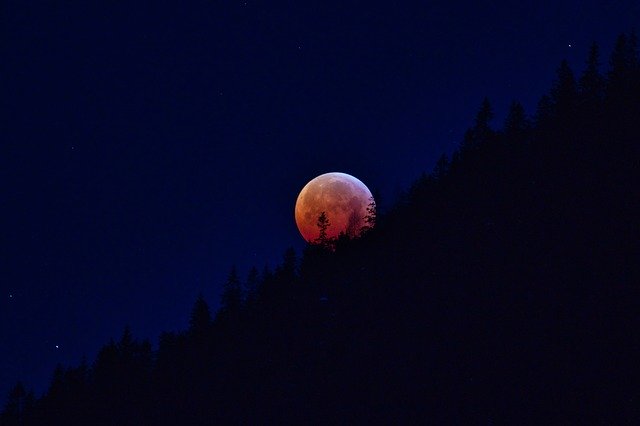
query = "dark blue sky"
x=145 y=149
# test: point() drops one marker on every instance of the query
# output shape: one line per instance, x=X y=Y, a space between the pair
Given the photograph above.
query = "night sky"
x=145 y=149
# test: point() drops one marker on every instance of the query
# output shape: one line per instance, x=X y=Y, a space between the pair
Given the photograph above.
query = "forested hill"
x=503 y=288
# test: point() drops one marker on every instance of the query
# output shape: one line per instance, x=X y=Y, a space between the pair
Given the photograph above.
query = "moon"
x=342 y=197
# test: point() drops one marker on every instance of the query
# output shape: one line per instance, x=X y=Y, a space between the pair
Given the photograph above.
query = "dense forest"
x=501 y=288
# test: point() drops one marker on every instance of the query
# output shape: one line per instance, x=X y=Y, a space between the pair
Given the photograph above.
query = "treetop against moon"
x=344 y=199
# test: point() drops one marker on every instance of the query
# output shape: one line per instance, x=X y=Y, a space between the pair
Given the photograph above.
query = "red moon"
x=342 y=197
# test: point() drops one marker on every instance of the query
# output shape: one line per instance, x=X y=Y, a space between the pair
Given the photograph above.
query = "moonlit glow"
x=342 y=197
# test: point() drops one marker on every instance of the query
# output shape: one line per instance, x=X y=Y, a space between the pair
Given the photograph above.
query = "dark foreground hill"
x=502 y=289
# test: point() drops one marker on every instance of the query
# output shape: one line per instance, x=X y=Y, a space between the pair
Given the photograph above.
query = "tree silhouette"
x=232 y=293
x=592 y=83
x=480 y=134
x=288 y=270
x=484 y=116
x=370 y=218
x=14 y=410
x=251 y=285
x=440 y=170
x=516 y=123
x=200 y=319
x=323 y=224
x=624 y=65
x=564 y=93
x=353 y=225
x=544 y=112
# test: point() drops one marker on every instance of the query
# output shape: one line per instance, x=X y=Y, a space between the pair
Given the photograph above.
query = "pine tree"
x=126 y=340
x=592 y=83
x=564 y=91
x=544 y=112
x=481 y=132
x=372 y=213
x=623 y=87
x=232 y=293
x=13 y=413
x=323 y=224
x=484 y=116
x=266 y=274
x=353 y=228
x=621 y=61
x=289 y=264
x=251 y=285
x=134 y=357
x=516 y=123
x=440 y=171
x=370 y=218
x=200 y=319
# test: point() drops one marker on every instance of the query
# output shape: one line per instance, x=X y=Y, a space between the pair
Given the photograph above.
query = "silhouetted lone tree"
x=323 y=224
